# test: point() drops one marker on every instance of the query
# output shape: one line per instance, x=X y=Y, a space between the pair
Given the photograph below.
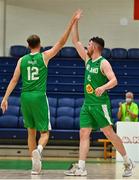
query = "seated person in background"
x=128 y=111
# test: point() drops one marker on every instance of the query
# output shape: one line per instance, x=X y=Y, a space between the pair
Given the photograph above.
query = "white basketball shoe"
x=128 y=168
x=36 y=162
x=76 y=171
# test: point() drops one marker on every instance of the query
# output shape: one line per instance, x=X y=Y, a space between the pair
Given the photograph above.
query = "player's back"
x=33 y=73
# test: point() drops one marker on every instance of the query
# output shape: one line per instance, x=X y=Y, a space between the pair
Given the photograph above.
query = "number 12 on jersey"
x=33 y=73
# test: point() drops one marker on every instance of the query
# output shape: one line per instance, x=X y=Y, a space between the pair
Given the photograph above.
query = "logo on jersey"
x=32 y=62
x=95 y=70
x=89 y=89
x=89 y=78
x=91 y=70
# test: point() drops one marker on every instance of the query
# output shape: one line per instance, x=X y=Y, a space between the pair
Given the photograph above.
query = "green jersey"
x=33 y=72
x=94 y=78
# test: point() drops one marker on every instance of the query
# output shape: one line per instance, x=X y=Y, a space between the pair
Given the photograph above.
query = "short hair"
x=99 y=41
x=33 y=41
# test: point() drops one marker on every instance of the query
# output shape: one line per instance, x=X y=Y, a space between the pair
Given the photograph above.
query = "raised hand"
x=79 y=14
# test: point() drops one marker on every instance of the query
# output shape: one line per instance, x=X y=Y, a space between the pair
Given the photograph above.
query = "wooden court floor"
x=96 y=170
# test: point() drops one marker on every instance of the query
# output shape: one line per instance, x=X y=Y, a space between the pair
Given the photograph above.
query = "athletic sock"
x=81 y=164
x=126 y=159
x=40 y=148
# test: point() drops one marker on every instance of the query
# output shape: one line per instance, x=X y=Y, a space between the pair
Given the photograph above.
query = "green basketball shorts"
x=95 y=117
x=35 y=109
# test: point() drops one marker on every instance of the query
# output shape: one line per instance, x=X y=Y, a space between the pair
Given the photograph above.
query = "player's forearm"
x=66 y=34
x=112 y=83
x=10 y=88
x=75 y=33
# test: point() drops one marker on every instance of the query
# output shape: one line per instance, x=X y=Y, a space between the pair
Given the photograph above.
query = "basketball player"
x=34 y=102
x=96 y=110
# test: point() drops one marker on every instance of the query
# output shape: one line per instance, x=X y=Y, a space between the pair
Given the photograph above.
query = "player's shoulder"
x=23 y=59
x=104 y=61
x=25 y=56
x=44 y=54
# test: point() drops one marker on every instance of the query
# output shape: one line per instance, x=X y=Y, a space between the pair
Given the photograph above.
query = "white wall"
x=48 y=18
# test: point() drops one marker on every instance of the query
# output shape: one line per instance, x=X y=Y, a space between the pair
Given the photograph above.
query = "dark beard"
x=90 y=54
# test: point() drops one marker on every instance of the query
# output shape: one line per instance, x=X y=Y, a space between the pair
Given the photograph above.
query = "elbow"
x=115 y=82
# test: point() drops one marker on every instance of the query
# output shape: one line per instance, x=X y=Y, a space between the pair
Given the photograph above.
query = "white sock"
x=81 y=164
x=126 y=159
x=40 y=148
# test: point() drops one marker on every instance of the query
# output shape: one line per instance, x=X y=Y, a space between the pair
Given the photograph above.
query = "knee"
x=84 y=134
x=45 y=134
x=32 y=133
x=109 y=133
